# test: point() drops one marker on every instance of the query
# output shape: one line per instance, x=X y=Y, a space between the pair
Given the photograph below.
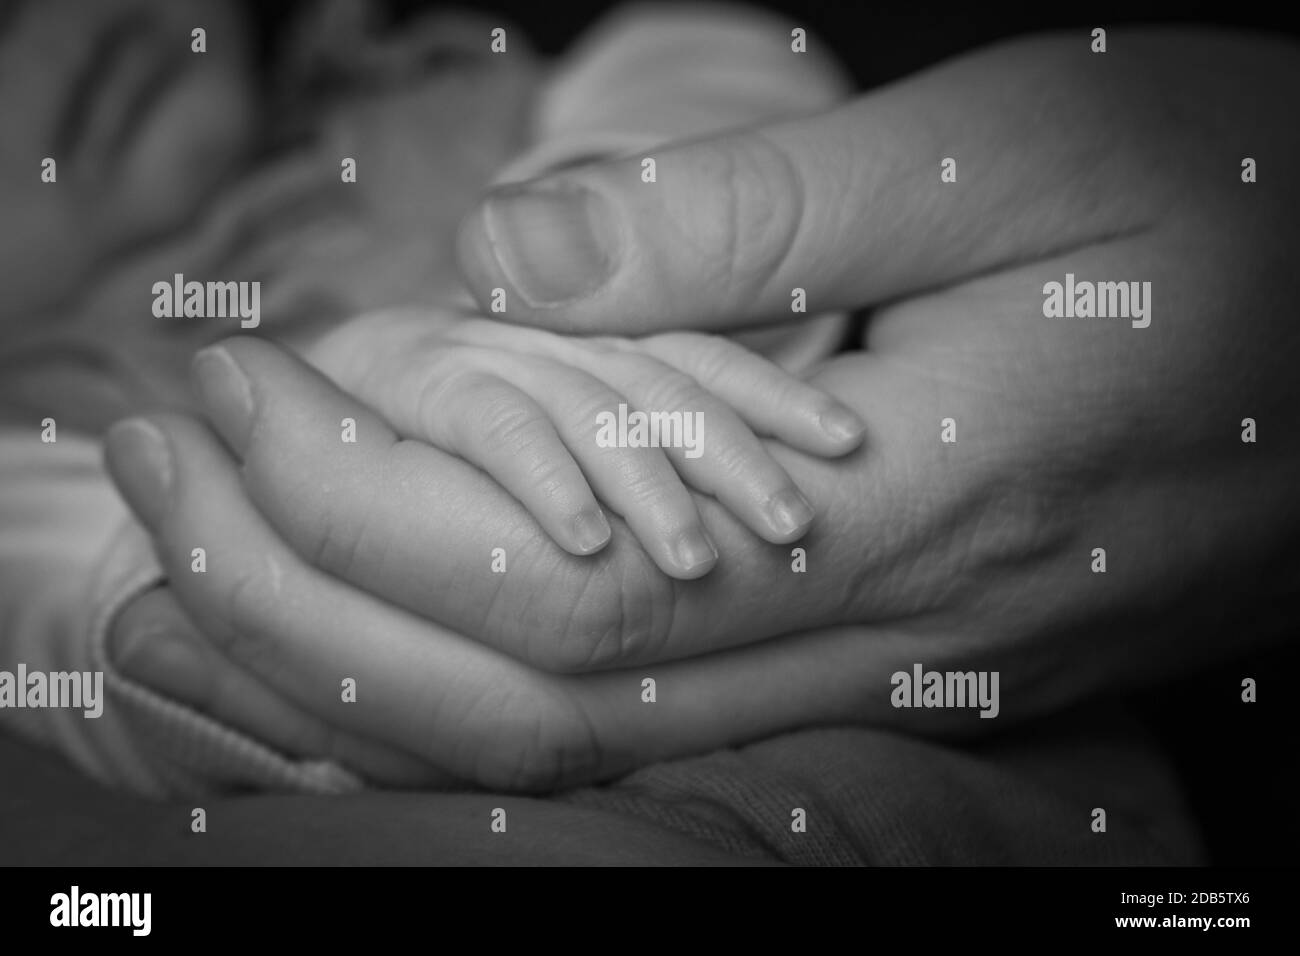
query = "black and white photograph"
x=649 y=434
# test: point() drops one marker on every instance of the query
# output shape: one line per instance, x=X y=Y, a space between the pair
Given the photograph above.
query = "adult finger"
x=434 y=694
x=850 y=206
x=446 y=699
x=154 y=643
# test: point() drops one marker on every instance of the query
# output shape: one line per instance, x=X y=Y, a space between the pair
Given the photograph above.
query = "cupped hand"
x=1013 y=437
x=360 y=551
x=1072 y=435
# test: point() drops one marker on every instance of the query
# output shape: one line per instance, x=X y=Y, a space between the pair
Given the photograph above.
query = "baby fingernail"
x=554 y=243
x=591 y=530
x=694 y=550
x=841 y=424
x=140 y=459
x=226 y=394
x=790 y=511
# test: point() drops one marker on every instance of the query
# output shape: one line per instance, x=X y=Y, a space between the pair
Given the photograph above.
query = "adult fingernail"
x=695 y=550
x=226 y=393
x=554 y=243
x=841 y=425
x=790 y=511
x=591 y=530
x=140 y=460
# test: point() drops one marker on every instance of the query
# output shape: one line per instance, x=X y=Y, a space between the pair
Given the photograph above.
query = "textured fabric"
x=878 y=798
x=71 y=557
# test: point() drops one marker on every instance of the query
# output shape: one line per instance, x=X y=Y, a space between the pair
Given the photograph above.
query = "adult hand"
x=1072 y=434
x=328 y=560
x=1133 y=165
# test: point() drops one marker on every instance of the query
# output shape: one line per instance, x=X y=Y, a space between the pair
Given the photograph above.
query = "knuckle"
x=674 y=390
x=762 y=198
x=652 y=480
x=503 y=419
x=583 y=617
x=621 y=613
x=743 y=462
x=550 y=474
x=550 y=743
x=574 y=634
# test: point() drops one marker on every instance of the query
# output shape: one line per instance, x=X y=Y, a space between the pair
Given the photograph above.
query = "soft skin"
x=1072 y=435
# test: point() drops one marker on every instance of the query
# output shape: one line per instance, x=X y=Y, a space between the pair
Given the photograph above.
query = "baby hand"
x=561 y=422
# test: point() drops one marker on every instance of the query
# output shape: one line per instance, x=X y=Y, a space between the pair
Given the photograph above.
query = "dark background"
x=1237 y=760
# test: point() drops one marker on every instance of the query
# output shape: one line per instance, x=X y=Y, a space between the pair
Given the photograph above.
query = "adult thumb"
x=833 y=211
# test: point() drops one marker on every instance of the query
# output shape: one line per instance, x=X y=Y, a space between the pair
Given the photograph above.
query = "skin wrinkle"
x=781 y=198
x=546 y=474
x=646 y=634
x=670 y=391
x=1071 y=206
x=890 y=555
x=381 y=555
x=581 y=753
x=538 y=766
x=612 y=634
x=538 y=752
x=1000 y=523
x=428 y=396
x=593 y=749
x=338 y=551
x=434 y=705
x=499 y=623
x=1009 y=530
x=490 y=767
x=589 y=639
x=539 y=614
x=909 y=563
x=501 y=421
